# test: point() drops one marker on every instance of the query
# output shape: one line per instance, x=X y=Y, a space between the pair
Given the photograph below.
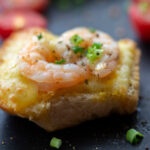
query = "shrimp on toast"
x=37 y=59
x=62 y=81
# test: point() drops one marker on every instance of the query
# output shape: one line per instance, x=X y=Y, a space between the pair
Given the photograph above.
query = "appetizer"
x=62 y=81
x=11 y=21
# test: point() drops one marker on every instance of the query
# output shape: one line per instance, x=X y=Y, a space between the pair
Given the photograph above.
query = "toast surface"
x=116 y=93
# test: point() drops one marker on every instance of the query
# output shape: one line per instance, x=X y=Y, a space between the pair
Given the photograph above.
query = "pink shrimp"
x=36 y=62
x=37 y=59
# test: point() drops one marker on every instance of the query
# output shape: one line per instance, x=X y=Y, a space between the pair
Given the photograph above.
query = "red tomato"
x=139 y=13
x=11 y=21
x=37 y=5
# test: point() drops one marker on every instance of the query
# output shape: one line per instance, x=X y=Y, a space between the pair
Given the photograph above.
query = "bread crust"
x=135 y=80
x=71 y=109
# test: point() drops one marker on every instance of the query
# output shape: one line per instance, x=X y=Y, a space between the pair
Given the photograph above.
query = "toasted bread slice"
x=116 y=93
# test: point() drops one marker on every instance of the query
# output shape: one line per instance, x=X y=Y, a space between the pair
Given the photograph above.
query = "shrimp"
x=37 y=59
x=105 y=64
x=36 y=62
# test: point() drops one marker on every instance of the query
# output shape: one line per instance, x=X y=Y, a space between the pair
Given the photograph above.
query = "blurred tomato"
x=139 y=13
x=11 y=21
x=37 y=5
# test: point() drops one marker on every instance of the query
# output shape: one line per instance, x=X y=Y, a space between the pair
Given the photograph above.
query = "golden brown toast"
x=116 y=93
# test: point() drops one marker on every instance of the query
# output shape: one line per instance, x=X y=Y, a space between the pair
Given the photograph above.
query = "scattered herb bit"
x=97 y=45
x=144 y=123
x=94 y=52
x=68 y=47
x=81 y=56
x=83 y=64
x=55 y=143
x=76 y=39
x=86 y=81
x=143 y=6
x=39 y=36
x=93 y=30
x=77 y=49
x=85 y=53
x=133 y=136
x=62 y=61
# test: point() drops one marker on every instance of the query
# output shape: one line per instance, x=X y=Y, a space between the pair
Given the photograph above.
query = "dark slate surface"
x=107 y=133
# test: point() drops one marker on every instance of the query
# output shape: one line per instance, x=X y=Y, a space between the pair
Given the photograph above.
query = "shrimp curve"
x=37 y=59
x=36 y=62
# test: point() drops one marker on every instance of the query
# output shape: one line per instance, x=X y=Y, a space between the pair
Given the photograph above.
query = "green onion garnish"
x=93 y=30
x=60 y=61
x=94 y=52
x=55 y=143
x=76 y=39
x=143 y=6
x=39 y=36
x=77 y=49
x=133 y=136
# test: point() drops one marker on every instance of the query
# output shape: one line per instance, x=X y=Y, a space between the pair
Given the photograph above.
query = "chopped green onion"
x=39 y=36
x=143 y=6
x=97 y=45
x=77 y=49
x=133 y=136
x=94 y=52
x=55 y=143
x=93 y=30
x=76 y=39
x=60 y=61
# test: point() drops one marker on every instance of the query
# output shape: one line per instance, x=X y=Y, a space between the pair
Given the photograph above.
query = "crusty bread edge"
x=134 y=83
